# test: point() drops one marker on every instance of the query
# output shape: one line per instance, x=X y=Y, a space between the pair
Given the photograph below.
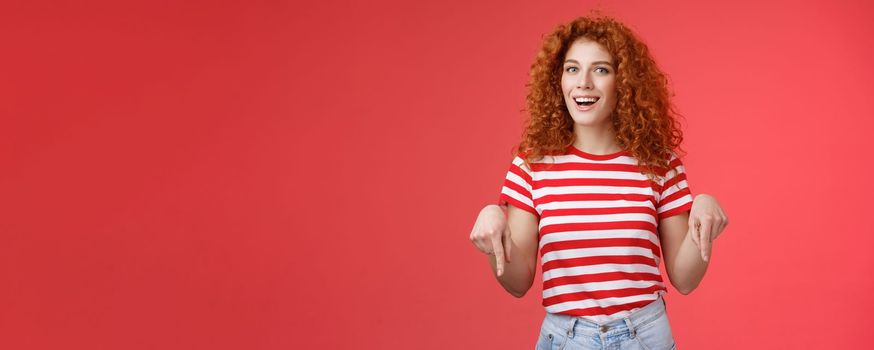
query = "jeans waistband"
x=579 y=325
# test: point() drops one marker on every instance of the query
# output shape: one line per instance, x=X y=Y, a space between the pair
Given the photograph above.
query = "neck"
x=596 y=139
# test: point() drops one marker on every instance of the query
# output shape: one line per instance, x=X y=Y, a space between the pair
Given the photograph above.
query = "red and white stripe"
x=599 y=245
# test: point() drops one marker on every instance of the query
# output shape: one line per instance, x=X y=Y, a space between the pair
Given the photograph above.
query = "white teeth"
x=585 y=99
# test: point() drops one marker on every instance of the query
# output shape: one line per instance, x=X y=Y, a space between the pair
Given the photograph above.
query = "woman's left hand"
x=706 y=222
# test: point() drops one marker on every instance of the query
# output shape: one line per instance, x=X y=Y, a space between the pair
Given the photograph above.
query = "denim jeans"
x=645 y=329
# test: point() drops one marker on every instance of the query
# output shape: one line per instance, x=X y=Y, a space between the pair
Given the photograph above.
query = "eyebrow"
x=593 y=63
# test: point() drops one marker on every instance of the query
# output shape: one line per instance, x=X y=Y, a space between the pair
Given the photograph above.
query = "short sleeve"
x=517 y=187
x=675 y=197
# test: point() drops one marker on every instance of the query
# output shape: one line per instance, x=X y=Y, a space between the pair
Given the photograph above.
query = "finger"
x=508 y=243
x=704 y=231
x=482 y=247
x=716 y=228
x=693 y=233
x=499 y=254
x=473 y=231
x=714 y=232
x=482 y=243
x=722 y=224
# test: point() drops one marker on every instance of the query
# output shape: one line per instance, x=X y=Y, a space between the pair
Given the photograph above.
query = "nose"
x=585 y=82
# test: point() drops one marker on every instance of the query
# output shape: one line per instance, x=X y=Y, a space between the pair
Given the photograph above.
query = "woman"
x=598 y=190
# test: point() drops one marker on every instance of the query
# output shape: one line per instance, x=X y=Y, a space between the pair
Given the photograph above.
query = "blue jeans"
x=645 y=329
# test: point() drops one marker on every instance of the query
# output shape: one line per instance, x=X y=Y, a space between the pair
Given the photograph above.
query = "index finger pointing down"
x=499 y=254
x=705 y=240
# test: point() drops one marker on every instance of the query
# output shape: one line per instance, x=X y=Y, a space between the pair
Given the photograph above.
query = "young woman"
x=598 y=190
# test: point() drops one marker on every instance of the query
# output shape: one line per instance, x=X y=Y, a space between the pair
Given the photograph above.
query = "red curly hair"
x=644 y=119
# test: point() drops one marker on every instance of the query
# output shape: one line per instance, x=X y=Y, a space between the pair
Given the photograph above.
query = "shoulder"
x=532 y=164
x=674 y=164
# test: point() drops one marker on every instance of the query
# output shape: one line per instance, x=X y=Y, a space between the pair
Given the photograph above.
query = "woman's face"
x=588 y=82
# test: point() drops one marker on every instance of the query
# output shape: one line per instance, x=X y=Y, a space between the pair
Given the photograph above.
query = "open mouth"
x=586 y=101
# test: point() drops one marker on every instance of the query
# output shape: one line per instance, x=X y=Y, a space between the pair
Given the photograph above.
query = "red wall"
x=268 y=175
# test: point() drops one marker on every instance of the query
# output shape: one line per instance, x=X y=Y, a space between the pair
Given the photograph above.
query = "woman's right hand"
x=491 y=235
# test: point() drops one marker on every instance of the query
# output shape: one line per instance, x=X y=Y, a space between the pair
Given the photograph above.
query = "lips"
x=585 y=102
x=585 y=108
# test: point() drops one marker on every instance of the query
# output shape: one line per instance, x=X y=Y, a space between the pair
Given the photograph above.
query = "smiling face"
x=588 y=82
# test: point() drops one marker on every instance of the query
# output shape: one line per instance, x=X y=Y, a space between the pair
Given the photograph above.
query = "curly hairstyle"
x=644 y=119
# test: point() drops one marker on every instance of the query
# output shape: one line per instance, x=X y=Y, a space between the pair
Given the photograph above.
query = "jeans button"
x=604 y=328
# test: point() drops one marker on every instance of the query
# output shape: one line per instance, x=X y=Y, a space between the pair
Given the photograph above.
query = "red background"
x=273 y=175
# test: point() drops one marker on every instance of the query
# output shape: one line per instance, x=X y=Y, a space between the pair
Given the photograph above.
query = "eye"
x=571 y=69
x=602 y=70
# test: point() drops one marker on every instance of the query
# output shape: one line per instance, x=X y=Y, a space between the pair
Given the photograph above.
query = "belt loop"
x=570 y=330
x=631 y=328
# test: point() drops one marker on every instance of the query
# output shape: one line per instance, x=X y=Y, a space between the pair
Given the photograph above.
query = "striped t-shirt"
x=598 y=216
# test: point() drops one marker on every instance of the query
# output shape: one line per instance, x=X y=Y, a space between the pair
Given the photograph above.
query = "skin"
x=686 y=238
x=588 y=70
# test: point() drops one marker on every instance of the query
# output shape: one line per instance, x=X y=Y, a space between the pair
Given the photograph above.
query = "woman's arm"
x=683 y=260
x=518 y=243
